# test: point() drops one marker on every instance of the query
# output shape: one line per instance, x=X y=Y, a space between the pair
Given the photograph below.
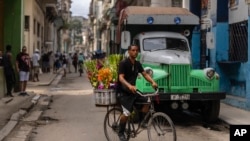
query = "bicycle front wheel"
x=111 y=124
x=161 y=128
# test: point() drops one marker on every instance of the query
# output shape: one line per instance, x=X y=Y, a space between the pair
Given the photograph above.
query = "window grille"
x=238 y=44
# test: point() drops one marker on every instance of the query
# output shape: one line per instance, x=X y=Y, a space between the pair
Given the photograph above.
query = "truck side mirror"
x=210 y=41
x=125 y=39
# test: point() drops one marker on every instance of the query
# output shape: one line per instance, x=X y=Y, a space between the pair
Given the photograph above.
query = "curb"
x=15 y=118
x=51 y=79
x=24 y=132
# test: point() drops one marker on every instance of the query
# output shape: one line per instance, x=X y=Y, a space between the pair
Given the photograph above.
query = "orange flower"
x=105 y=76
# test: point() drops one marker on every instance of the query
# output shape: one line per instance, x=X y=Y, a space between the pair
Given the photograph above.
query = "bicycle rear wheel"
x=161 y=128
x=111 y=124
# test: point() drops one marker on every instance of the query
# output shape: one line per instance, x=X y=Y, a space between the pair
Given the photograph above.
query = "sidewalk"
x=233 y=116
x=12 y=109
x=45 y=79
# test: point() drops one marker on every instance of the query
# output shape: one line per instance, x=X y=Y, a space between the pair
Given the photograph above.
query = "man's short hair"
x=129 y=47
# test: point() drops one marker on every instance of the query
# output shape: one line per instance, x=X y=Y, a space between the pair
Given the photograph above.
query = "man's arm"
x=149 y=79
x=125 y=83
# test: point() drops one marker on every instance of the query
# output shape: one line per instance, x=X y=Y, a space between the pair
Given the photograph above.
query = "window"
x=153 y=44
x=34 y=26
x=27 y=23
x=238 y=37
x=177 y=44
x=38 y=29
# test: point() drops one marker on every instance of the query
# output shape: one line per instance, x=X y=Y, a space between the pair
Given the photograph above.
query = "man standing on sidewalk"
x=35 y=65
x=9 y=71
x=23 y=67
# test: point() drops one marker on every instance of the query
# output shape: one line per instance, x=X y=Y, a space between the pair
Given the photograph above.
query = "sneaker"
x=122 y=137
x=21 y=94
x=25 y=94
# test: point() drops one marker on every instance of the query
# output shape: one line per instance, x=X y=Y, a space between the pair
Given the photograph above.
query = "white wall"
x=32 y=9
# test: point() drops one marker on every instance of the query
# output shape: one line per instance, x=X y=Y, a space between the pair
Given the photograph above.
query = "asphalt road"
x=73 y=116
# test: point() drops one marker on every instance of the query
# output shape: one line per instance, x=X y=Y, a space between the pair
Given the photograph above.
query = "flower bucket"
x=104 y=97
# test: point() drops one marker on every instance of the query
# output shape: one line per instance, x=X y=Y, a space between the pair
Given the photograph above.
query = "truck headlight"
x=210 y=72
x=149 y=71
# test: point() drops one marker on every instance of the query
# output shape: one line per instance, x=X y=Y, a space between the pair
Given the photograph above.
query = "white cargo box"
x=161 y=15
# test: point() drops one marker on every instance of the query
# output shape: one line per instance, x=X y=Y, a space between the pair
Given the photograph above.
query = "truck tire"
x=210 y=111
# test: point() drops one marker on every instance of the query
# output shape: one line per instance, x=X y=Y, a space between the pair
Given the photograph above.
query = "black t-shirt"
x=7 y=64
x=23 y=61
x=130 y=72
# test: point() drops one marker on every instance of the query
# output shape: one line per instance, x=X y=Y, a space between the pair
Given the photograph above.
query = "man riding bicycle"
x=127 y=74
x=80 y=63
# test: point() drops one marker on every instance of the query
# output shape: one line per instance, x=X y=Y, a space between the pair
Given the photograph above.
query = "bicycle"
x=159 y=125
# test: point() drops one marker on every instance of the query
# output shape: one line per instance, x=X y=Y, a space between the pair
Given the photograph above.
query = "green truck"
x=164 y=35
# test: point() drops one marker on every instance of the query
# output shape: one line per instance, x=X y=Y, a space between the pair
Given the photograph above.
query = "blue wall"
x=235 y=76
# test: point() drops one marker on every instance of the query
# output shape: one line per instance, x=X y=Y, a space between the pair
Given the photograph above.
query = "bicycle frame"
x=135 y=131
x=132 y=130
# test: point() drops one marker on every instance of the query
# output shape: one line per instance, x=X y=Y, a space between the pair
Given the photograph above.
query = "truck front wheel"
x=211 y=110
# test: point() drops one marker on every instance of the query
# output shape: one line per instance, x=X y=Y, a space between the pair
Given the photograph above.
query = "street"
x=73 y=116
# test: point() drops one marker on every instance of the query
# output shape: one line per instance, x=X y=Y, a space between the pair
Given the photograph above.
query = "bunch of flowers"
x=106 y=76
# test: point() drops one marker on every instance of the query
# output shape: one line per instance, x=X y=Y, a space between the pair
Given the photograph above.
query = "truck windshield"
x=153 y=44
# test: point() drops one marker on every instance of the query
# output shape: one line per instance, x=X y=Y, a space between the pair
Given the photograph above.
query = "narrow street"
x=73 y=116
x=197 y=53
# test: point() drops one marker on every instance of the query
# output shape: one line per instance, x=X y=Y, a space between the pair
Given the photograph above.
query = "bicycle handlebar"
x=147 y=95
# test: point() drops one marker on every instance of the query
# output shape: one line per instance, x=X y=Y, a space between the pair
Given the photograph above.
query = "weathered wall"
x=13 y=27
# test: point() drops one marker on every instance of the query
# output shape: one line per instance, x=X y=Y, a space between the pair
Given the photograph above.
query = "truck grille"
x=179 y=75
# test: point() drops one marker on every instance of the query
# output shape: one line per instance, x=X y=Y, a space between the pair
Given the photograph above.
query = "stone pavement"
x=12 y=109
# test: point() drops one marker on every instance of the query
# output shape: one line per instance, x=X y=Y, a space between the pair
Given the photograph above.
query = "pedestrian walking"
x=45 y=62
x=75 y=59
x=69 y=60
x=64 y=63
x=23 y=68
x=35 y=65
x=80 y=63
x=56 y=63
x=51 y=62
x=9 y=71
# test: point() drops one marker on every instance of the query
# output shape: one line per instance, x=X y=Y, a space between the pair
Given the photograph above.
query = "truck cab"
x=164 y=36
